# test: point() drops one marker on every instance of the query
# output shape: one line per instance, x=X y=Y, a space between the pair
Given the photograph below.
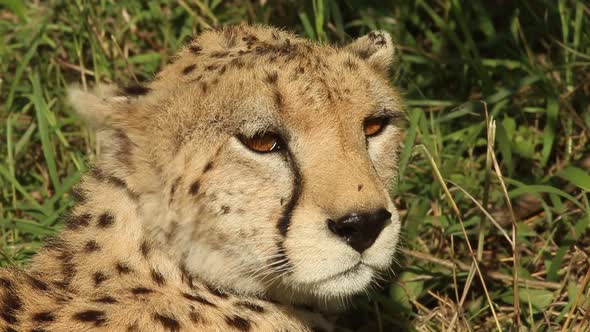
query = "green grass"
x=497 y=97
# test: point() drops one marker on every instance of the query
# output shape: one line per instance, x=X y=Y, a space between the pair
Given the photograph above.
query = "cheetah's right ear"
x=376 y=48
x=100 y=107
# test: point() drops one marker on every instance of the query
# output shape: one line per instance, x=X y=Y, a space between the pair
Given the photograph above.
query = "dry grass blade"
x=442 y=182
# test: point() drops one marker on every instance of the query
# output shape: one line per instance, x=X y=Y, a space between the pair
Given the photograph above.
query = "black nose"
x=360 y=230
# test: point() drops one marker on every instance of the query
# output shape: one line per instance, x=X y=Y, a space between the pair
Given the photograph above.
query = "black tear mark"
x=106 y=220
x=285 y=220
x=168 y=322
x=91 y=316
x=240 y=323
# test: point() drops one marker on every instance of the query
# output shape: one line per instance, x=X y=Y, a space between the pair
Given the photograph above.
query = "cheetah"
x=245 y=188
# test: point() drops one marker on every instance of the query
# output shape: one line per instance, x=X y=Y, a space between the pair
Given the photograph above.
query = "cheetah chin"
x=247 y=181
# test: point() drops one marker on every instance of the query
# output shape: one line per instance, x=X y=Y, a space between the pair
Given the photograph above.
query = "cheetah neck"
x=103 y=238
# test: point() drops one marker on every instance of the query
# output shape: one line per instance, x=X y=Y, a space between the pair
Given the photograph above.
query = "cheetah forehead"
x=260 y=69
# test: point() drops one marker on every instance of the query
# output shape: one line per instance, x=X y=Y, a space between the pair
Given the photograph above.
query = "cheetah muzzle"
x=250 y=176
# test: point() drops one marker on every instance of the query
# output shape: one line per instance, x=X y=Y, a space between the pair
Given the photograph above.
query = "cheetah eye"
x=262 y=142
x=374 y=126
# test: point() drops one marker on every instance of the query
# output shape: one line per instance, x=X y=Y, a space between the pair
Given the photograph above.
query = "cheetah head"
x=262 y=161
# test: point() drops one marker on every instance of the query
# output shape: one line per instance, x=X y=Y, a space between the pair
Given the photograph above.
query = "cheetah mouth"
x=346 y=273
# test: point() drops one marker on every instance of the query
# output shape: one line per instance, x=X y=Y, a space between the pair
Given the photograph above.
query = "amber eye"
x=262 y=143
x=374 y=126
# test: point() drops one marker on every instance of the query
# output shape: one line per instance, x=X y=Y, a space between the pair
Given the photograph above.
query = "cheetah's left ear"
x=376 y=48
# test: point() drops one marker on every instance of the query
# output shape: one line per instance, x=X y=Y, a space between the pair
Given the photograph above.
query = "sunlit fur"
x=227 y=232
x=246 y=222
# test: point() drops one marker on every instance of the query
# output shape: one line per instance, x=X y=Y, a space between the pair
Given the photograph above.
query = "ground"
x=526 y=64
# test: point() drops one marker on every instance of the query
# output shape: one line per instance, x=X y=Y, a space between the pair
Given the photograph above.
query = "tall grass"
x=494 y=174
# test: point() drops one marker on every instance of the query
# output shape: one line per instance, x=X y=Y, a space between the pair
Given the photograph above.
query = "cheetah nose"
x=360 y=230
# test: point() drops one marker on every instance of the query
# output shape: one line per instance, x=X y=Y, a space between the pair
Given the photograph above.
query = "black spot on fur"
x=237 y=63
x=194 y=316
x=194 y=189
x=99 y=278
x=186 y=70
x=211 y=67
x=173 y=188
x=5 y=283
x=225 y=209
x=78 y=221
x=217 y=292
x=198 y=298
x=279 y=99
x=272 y=78
x=222 y=70
x=124 y=148
x=350 y=64
x=37 y=283
x=208 y=167
x=91 y=316
x=250 y=306
x=91 y=246
x=106 y=220
x=10 y=329
x=135 y=90
x=377 y=38
x=359 y=187
x=106 y=300
x=123 y=268
x=219 y=54
x=141 y=291
x=101 y=176
x=145 y=248
x=79 y=195
x=42 y=317
x=157 y=277
x=38 y=329
x=195 y=49
x=172 y=231
x=239 y=323
x=204 y=87
x=168 y=322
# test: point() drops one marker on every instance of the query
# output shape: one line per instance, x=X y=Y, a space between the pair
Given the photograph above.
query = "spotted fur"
x=180 y=227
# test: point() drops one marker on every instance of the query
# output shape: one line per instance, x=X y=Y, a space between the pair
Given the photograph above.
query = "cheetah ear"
x=99 y=107
x=376 y=48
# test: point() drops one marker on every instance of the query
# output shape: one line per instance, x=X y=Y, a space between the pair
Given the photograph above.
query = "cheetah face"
x=271 y=161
